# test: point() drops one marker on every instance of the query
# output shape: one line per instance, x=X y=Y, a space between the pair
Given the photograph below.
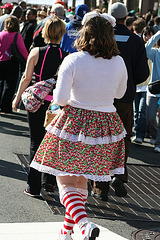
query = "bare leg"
x=74 y=181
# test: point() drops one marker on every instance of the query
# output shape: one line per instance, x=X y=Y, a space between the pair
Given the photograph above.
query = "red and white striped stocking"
x=68 y=224
x=74 y=200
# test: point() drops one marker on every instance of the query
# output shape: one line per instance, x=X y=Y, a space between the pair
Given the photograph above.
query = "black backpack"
x=15 y=54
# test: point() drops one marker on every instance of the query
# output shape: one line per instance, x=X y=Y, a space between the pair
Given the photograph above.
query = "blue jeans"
x=153 y=124
x=140 y=123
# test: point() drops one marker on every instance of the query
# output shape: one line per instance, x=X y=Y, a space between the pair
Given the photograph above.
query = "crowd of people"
x=103 y=61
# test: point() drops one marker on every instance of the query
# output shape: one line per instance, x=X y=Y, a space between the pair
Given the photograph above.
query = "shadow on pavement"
x=13 y=129
x=16 y=116
x=145 y=153
x=12 y=170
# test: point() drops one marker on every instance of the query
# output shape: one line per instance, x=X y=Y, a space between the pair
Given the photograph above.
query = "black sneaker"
x=27 y=191
x=49 y=188
x=119 y=187
x=101 y=197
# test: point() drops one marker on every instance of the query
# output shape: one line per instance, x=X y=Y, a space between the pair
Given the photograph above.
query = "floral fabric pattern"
x=90 y=127
x=72 y=156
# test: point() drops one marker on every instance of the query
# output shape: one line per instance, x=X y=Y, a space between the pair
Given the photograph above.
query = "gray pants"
x=152 y=119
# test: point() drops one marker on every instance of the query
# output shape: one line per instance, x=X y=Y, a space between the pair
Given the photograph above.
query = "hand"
x=15 y=104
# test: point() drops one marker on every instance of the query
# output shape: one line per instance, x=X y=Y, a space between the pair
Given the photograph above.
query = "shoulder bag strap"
x=15 y=39
x=60 y=51
x=40 y=75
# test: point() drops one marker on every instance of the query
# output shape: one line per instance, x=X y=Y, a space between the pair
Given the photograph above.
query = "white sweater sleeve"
x=61 y=94
x=123 y=82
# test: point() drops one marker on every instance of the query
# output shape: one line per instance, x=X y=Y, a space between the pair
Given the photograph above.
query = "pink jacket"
x=6 y=39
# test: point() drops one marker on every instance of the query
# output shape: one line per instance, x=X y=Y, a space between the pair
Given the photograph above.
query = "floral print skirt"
x=82 y=142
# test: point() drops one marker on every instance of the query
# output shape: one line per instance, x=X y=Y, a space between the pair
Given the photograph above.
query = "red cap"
x=60 y=2
x=7 y=5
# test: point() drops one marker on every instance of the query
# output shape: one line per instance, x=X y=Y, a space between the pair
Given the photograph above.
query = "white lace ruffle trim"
x=52 y=171
x=82 y=138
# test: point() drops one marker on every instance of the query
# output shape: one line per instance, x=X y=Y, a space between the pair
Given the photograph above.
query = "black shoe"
x=48 y=187
x=101 y=197
x=119 y=187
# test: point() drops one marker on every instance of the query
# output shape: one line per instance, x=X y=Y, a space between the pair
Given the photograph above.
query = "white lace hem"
x=52 y=171
x=82 y=138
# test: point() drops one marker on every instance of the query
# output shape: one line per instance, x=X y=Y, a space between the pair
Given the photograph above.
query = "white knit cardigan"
x=90 y=83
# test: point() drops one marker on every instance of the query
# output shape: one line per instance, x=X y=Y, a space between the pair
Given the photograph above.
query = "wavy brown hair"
x=11 y=24
x=97 y=38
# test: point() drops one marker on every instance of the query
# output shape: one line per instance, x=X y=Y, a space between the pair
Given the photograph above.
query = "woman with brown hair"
x=85 y=141
x=9 y=68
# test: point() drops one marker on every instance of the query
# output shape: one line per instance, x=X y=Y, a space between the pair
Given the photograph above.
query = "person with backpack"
x=9 y=66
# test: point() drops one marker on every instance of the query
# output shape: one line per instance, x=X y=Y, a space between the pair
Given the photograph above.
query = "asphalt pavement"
x=23 y=217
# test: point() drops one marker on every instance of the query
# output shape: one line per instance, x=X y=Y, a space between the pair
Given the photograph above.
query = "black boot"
x=119 y=187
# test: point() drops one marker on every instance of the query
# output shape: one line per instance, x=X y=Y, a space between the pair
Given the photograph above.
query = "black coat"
x=132 y=50
x=27 y=32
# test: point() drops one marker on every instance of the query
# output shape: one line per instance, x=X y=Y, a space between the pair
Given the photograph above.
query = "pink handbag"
x=34 y=96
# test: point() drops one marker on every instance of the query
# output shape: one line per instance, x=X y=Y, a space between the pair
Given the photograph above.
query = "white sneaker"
x=157 y=149
x=91 y=231
x=64 y=237
x=153 y=141
x=138 y=140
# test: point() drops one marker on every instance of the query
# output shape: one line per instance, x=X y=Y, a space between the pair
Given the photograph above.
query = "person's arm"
x=149 y=45
x=27 y=76
x=21 y=46
x=121 y=88
x=61 y=94
x=141 y=72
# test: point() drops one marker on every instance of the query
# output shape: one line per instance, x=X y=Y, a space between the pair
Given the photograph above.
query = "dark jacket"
x=132 y=50
x=37 y=40
x=27 y=32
